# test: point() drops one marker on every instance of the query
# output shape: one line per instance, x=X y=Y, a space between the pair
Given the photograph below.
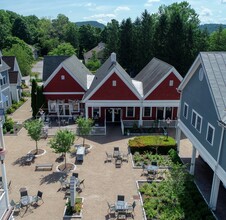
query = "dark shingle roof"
x=13 y=77
x=3 y=66
x=214 y=64
x=10 y=61
x=50 y=64
x=152 y=73
x=103 y=71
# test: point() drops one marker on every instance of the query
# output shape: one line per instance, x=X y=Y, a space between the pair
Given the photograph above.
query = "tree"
x=93 y=64
x=5 y=28
x=34 y=98
x=23 y=55
x=217 y=40
x=84 y=127
x=62 y=142
x=63 y=49
x=34 y=129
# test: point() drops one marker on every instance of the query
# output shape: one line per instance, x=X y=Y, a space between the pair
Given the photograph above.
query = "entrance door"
x=113 y=114
x=61 y=109
x=160 y=112
x=117 y=115
x=66 y=108
x=108 y=114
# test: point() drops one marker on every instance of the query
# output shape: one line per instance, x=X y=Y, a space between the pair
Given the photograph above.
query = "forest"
x=172 y=35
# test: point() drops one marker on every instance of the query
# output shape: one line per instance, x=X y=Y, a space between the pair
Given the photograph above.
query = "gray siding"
x=197 y=95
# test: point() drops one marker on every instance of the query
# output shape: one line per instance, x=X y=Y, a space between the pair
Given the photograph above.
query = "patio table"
x=121 y=206
x=26 y=200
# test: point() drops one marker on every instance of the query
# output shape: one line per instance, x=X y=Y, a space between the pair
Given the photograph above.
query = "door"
x=117 y=115
x=160 y=112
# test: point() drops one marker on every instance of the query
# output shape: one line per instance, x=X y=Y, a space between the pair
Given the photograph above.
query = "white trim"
x=144 y=111
x=63 y=93
x=171 y=83
x=112 y=103
x=196 y=119
x=8 y=87
x=207 y=132
x=172 y=70
x=161 y=103
x=120 y=75
x=185 y=104
x=127 y=112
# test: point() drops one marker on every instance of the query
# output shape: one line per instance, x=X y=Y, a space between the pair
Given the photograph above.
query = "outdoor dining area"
x=118 y=156
x=26 y=201
x=150 y=170
x=121 y=209
x=65 y=183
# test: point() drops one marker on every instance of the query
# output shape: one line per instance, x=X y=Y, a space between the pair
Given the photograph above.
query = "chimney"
x=113 y=58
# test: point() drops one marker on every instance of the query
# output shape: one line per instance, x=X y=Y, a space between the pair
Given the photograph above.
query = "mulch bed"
x=40 y=151
x=69 y=167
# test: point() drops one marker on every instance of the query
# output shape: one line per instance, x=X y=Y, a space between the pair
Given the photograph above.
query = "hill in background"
x=92 y=23
x=211 y=27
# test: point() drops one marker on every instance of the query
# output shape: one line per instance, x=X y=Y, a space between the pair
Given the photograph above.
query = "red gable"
x=58 y=84
x=164 y=91
x=109 y=92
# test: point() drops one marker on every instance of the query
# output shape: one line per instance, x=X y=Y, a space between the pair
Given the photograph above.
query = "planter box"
x=74 y=216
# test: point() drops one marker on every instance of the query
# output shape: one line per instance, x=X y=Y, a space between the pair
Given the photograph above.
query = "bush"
x=10 y=110
x=174 y=156
x=8 y=125
x=11 y=131
x=4 y=131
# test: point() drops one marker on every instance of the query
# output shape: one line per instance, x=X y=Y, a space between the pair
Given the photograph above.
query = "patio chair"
x=63 y=183
x=16 y=206
x=9 y=185
x=109 y=157
x=118 y=162
x=75 y=175
x=120 y=198
x=23 y=193
x=125 y=157
x=111 y=208
x=130 y=209
x=38 y=197
x=82 y=183
x=116 y=152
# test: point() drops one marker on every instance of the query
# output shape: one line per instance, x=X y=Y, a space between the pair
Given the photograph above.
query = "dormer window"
x=62 y=77
x=114 y=83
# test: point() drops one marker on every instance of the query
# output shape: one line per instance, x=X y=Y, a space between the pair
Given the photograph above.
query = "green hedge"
x=152 y=143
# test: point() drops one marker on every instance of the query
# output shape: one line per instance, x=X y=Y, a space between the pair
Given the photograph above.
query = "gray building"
x=202 y=116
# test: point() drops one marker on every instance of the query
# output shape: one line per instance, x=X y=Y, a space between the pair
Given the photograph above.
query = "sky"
x=103 y=11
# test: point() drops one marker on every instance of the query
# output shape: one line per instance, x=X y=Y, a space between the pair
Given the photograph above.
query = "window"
x=7 y=102
x=52 y=106
x=75 y=106
x=185 y=112
x=130 y=112
x=3 y=80
x=96 y=112
x=114 y=83
x=210 y=133
x=147 y=112
x=62 y=77
x=196 y=121
x=171 y=83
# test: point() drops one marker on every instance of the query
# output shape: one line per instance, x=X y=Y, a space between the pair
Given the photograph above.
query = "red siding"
x=119 y=92
x=175 y=113
x=166 y=92
x=67 y=85
x=65 y=97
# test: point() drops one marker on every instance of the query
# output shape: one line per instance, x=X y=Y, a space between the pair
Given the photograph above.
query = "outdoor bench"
x=46 y=166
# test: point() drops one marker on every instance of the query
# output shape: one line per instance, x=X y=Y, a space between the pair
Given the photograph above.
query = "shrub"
x=174 y=156
x=10 y=110
x=11 y=131
x=8 y=125
x=4 y=131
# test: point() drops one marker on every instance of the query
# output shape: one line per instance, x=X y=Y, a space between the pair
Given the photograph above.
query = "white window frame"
x=144 y=112
x=127 y=112
x=171 y=82
x=207 y=132
x=54 y=103
x=196 y=120
x=62 y=77
x=185 y=116
x=98 y=110
x=114 y=82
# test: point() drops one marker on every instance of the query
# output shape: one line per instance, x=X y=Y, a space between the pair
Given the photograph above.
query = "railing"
x=150 y=123
x=3 y=205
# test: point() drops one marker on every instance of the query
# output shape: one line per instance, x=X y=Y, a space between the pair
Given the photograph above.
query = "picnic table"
x=29 y=158
x=80 y=153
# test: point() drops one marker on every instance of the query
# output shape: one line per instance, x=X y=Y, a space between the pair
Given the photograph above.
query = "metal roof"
x=152 y=73
x=214 y=64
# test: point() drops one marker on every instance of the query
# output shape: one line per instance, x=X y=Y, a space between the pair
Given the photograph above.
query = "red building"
x=111 y=95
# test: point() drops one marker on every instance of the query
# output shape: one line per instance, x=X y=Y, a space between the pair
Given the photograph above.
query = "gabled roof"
x=153 y=73
x=76 y=69
x=10 y=60
x=214 y=66
x=3 y=65
x=50 y=64
x=99 y=48
x=103 y=72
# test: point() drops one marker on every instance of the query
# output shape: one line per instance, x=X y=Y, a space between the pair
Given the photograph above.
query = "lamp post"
x=2 y=164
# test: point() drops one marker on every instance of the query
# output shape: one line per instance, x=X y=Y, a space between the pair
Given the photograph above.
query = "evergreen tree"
x=34 y=98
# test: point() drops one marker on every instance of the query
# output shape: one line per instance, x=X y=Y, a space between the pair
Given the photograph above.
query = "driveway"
x=38 y=68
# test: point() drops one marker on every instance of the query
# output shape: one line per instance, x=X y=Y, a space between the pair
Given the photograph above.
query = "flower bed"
x=176 y=198
x=73 y=212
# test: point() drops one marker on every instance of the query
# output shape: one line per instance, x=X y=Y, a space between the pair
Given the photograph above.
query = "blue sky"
x=210 y=11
